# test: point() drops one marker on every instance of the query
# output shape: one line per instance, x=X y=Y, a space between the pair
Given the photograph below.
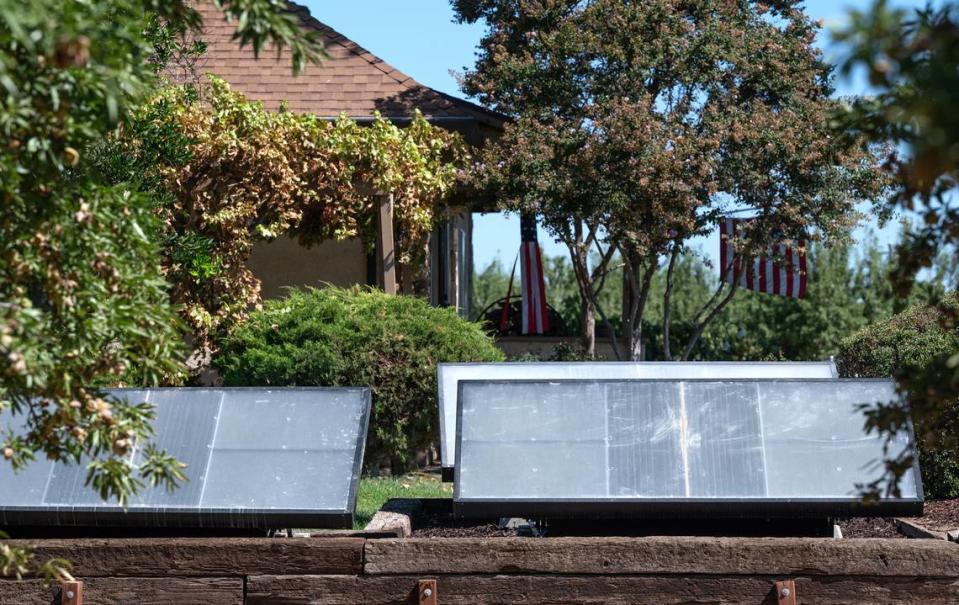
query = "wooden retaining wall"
x=634 y=571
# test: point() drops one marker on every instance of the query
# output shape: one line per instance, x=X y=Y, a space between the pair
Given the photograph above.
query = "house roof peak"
x=352 y=80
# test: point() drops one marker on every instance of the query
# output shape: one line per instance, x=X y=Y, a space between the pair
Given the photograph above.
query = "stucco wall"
x=283 y=263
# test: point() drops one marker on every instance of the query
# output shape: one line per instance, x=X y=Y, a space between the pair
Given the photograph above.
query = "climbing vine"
x=236 y=173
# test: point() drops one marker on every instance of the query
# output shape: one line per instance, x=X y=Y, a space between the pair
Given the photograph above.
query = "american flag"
x=782 y=270
x=535 y=319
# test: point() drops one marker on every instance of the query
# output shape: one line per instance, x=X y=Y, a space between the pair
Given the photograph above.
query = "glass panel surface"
x=246 y=450
x=26 y=486
x=558 y=431
x=724 y=440
x=285 y=450
x=815 y=442
x=683 y=440
x=645 y=445
x=184 y=426
x=450 y=374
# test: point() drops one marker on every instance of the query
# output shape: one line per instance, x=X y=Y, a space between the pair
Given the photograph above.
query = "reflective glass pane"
x=586 y=440
x=450 y=374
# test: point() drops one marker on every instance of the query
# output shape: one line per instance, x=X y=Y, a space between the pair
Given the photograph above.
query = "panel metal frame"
x=447 y=465
x=196 y=517
x=675 y=508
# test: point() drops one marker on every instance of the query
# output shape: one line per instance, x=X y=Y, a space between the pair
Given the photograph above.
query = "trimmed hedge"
x=907 y=345
x=358 y=337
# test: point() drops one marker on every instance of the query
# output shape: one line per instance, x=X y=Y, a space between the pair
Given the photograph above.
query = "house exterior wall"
x=284 y=263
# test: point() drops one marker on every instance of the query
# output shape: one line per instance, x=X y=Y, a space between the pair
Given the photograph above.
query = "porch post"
x=385 y=245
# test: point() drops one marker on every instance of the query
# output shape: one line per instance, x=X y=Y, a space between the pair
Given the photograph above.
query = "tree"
x=847 y=291
x=911 y=59
x=638 y=124
x=82 y=298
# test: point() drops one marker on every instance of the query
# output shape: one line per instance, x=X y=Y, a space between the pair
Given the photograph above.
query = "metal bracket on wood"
x=71 y=593
x=427 y=592
x=786 y=592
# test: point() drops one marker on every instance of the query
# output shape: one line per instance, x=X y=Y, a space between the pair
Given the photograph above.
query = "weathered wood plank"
x=203 y=557
x=670 y=555
x=595 y=590
x=914 y=530
x=127 y=591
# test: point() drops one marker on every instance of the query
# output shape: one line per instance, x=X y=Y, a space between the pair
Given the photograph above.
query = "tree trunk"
x=636 y=284
x=588 y=333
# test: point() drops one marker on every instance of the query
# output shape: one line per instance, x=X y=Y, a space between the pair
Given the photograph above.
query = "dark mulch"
x=940 y=515
x=869 y=527
x=441 y=524
x=489 y=530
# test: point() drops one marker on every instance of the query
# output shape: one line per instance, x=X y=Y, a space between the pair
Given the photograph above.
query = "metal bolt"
x=785 y=593
x=70 y=595
x=427 y=592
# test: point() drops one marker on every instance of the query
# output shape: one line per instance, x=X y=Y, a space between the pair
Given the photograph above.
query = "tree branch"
x=667 y=354
x=701 y=325
x=586 y=280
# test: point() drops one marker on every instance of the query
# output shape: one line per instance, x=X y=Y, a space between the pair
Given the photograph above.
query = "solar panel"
x=449 y=375
x=672 y=448
x=256 y=458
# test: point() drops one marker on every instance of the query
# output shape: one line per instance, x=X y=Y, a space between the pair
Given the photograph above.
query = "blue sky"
x=420 y=38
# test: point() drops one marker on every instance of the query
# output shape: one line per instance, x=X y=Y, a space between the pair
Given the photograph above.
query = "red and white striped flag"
x=781 y=271
x=535 y=319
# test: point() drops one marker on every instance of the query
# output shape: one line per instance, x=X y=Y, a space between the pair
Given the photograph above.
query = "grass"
x=375 y=491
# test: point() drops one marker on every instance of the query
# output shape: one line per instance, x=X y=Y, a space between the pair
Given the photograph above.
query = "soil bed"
x=869 y=527
x=940 y=515
x=439 y=523
x=436 y=521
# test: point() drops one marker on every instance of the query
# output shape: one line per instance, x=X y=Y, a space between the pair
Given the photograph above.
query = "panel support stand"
x=427 y=593
x=786 y=592
x=71 y=593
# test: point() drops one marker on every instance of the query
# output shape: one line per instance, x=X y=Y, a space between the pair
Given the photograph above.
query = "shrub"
x=907 y=345
x=343 y=337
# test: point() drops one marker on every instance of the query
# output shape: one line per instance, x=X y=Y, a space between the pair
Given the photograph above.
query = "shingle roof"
x=352 y=80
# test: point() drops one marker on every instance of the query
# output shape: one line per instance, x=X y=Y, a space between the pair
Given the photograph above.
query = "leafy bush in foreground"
x=906 y=346
x=357 y=337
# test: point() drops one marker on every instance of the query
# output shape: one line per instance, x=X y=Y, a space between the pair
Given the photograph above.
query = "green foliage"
x=83 y=299
x=911 y=58
x=341 y=337
x=909 y=346
x=638 y=124
x=489 y=286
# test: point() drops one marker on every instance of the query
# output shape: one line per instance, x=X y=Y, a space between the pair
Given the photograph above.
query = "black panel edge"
x=360 y=452
x=156 y=517
x=459 y=441
x=682 y=508
x=448 y=474
x=441 y=418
